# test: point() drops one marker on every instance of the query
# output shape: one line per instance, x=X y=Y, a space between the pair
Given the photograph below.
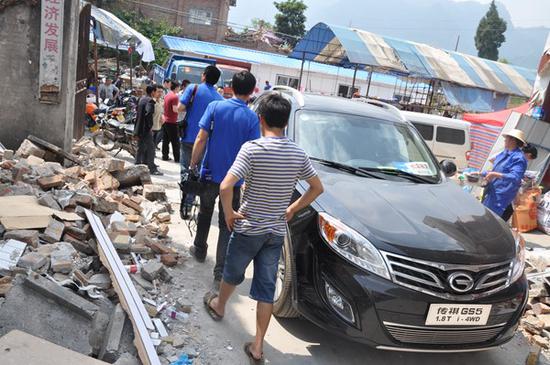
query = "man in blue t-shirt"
x=194 y=101
x=224 y=128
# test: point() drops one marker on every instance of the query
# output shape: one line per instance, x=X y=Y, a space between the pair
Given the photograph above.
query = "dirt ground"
x=288 y=341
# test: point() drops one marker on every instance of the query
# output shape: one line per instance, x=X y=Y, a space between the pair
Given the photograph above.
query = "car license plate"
x=458 y=314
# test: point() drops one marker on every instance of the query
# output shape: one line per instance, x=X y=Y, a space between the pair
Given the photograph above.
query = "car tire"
x=282 y=306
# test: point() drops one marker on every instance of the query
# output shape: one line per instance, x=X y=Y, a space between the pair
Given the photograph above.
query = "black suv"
x=393 y=254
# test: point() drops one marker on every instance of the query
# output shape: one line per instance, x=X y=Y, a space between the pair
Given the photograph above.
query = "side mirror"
x=448 y=167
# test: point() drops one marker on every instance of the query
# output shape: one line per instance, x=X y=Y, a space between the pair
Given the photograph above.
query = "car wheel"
x=282 y=306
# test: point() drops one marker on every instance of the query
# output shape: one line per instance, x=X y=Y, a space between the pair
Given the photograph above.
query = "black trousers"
x=208 y=201
x=170 y=132
x=146 y=151
x=508 y=213
x=157 y=137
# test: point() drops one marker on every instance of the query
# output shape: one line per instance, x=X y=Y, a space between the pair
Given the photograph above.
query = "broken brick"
x=28 y=236
x=104 y=206
x=169 y=260
x=540 y=308
x=132 y=204
x=151 y=270
x=163 y=217
x=154 y=192
x=32 y=261
x=50 y=182
x=54 y=231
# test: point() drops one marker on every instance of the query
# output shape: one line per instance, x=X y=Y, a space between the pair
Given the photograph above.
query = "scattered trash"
x=182 y=360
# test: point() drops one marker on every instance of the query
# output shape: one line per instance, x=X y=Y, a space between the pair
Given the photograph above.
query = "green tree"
x=257 y=23
x=152 y=29
x=290 y=21
x=490 y=34
x=503 y=60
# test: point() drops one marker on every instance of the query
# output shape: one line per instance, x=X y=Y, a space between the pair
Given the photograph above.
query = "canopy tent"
x=497 y=119
x=112 y=32
x=484 y=132
x=354 y=48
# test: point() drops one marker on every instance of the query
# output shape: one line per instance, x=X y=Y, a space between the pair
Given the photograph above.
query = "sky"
x=525 y=13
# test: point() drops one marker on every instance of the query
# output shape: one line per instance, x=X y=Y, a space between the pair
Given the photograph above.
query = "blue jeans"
x=265 y=251
x=186 y=149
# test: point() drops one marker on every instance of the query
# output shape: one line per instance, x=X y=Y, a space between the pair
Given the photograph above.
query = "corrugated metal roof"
x=348 y=47
x=177 y=44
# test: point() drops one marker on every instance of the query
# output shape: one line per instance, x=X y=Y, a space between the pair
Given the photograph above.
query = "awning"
x=348 y=47
x=112 y=32
x=498 y=118
x=472 y=99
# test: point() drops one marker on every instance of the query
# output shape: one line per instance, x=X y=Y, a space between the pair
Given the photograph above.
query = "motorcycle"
x=113 y=134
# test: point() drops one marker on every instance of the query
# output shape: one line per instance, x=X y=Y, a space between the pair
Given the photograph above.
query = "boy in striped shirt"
x=270 y=166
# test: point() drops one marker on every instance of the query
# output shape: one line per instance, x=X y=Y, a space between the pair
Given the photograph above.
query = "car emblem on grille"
x=461 y=282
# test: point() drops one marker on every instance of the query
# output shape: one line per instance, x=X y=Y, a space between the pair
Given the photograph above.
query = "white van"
x=449 y=139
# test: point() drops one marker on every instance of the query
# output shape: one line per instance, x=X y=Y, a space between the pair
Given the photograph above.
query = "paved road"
x=296 y=342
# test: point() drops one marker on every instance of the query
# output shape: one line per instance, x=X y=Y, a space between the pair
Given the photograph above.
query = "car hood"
x=436 y=222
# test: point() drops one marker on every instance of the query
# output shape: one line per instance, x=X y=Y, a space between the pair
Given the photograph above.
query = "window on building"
x=200 y=16
x=288 y=81
x=450 y=135
x=426 y=131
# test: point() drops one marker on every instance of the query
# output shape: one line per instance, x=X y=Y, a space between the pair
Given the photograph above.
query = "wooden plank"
x=53 y=148
x=11 y=223
x=127 y=293
x=18 y=348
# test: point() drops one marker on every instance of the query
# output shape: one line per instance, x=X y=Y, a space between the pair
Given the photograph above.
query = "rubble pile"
x=535 y=323
x=47 y=243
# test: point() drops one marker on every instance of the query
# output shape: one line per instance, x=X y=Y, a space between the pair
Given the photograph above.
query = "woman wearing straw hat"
x=505 y=179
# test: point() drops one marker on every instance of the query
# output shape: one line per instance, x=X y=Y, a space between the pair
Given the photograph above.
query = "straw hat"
x=517 y=134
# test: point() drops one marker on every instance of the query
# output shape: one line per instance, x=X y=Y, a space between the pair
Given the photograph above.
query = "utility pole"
x=457 y=42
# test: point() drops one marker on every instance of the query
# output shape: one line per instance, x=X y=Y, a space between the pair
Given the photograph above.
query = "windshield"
x=190 y=73
x=363 y=142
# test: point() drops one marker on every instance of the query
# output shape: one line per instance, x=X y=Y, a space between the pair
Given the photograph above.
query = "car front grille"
x=436 y=278
x=442 y=336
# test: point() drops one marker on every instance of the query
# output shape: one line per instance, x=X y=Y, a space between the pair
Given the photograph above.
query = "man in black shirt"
x=143 y=130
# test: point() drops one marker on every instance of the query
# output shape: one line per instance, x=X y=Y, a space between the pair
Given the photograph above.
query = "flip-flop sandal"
x=211 y=312
x=253 y=360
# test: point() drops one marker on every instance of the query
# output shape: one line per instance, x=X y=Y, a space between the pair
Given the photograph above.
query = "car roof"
x=435 y=119
x=349 y=106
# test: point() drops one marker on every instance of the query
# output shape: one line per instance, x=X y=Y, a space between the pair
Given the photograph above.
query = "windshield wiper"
x=400 y=173
x=347 y=168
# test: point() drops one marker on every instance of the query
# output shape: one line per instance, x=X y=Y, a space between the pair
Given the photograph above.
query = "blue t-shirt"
x=205 y=95
x=234 y=124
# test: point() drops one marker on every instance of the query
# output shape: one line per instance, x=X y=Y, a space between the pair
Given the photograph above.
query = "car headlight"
x=518 y=265
x=352 y=246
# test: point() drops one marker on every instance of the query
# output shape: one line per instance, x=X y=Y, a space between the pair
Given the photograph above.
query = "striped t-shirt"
x=271 y=167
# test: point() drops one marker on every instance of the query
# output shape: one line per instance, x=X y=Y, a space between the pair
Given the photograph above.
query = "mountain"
x=435 y=22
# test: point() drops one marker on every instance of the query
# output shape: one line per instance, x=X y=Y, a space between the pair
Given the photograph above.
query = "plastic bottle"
x=174 y=314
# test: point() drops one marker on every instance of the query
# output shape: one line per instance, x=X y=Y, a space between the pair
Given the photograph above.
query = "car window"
x=363 y=142
x=450 y=135
x=426 y=130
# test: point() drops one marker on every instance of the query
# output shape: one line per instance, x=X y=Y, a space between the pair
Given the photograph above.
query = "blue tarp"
x=472 y=99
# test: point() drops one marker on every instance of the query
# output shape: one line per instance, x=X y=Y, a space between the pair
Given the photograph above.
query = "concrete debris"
x=127 y=359
x=57 y=255
x=152 y=270
x=30 y=237
x=154 y=192
x=33 y=261
x=49 y=201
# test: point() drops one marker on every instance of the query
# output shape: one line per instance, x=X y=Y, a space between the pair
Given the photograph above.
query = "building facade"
x=205 y=20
